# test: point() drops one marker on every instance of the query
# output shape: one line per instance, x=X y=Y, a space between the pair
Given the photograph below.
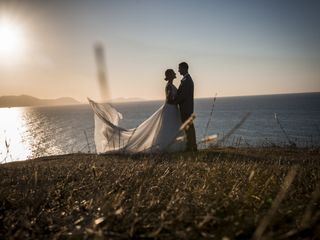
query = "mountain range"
x=25 y=100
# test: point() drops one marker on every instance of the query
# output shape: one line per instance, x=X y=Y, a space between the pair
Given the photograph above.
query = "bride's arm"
x=169 y=94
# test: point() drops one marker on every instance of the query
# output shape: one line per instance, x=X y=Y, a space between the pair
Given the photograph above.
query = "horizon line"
x=139 y=99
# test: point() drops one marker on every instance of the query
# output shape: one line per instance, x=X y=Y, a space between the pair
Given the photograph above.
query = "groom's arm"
x=182 y=93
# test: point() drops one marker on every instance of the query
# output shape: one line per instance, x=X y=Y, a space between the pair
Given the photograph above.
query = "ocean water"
x=28 y=132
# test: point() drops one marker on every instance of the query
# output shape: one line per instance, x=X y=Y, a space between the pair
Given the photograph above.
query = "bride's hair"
x=168 y=73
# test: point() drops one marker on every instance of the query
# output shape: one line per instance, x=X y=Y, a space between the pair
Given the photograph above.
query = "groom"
x=184 y=99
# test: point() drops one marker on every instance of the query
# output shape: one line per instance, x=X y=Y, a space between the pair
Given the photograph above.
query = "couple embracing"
x=161 y=132
x=183 y=97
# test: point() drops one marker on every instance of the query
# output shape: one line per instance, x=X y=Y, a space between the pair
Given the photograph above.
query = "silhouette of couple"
x=169 y=129
x=183 y=97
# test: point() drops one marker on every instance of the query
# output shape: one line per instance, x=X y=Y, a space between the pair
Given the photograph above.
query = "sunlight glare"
x=11 y=39
x=12 y=127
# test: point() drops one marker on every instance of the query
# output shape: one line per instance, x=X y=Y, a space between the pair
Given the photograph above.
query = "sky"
x=233 y=47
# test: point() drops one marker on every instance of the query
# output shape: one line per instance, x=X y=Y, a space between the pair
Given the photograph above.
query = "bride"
x=159 y=133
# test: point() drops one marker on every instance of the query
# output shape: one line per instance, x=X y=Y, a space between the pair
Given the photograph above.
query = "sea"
x=246 y=121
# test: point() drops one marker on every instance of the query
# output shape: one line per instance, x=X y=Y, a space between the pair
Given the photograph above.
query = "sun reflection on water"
x=12 y=129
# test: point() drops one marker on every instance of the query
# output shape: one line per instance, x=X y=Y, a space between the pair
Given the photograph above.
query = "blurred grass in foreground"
x=230 y=193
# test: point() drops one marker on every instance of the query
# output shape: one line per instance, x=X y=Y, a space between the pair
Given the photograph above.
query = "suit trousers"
x=191 y=138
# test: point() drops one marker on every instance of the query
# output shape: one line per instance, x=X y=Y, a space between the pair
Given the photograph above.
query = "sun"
x=11 y=39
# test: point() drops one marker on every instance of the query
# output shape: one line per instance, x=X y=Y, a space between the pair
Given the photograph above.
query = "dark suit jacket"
x=184 y=98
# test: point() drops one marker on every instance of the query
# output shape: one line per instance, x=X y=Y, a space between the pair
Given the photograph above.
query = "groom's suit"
x=184 y=99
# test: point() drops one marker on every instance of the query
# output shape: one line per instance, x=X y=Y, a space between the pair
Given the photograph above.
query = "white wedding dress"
x=159 y=133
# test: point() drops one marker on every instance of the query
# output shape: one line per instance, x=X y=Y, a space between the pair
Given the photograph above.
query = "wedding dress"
x=159 y=133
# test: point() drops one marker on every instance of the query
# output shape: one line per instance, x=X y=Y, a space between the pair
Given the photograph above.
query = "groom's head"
x=183 y=68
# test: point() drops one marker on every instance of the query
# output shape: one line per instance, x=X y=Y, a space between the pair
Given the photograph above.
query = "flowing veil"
x=159 y=133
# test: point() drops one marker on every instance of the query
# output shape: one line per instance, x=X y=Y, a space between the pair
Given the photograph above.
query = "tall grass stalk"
x=235 y=128
x=7 y=144
x=184 y=126
x=85 y=133
x=275 y=205
x=292 y=144
x=210 y=117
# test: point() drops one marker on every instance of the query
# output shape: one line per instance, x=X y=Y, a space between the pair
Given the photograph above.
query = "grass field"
x=221 y=193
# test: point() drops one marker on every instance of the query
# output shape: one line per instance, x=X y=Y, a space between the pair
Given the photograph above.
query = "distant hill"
x=122 y=99
x=25 y=100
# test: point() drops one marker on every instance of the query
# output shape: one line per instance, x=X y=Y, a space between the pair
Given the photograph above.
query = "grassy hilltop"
x=223 y=193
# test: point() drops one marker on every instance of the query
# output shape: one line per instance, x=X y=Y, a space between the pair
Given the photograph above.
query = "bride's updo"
x=169 y=74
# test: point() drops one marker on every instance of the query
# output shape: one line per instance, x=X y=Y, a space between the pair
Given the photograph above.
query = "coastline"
x=216 y=193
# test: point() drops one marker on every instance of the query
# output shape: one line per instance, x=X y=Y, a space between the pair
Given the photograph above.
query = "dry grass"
x=236 y=193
